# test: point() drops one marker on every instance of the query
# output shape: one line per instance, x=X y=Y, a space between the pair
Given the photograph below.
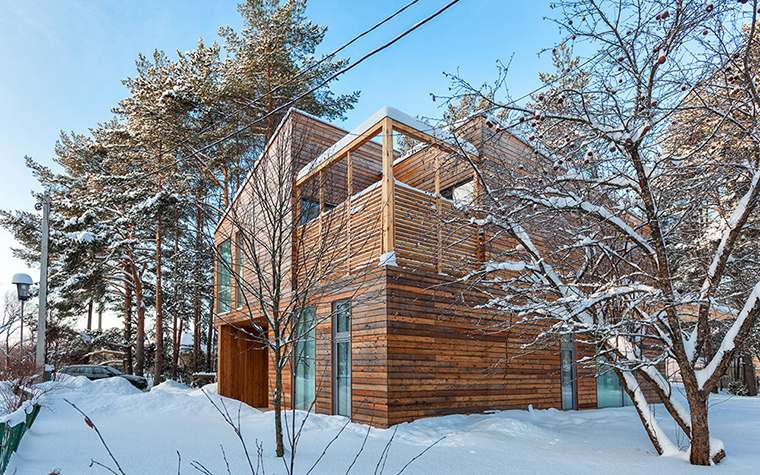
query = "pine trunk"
x=749 y=373
x=140 y=334
x=158 y=359
x=89 y=315
x=128 y=324
x=210 y=340
x=197 y=281
x=176 y=329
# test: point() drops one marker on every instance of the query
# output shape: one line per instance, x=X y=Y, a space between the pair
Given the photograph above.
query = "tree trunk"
x=158 y=357
x=280 y=450
x=89 y=315
x=210 y=340
x=128 y=328
x=700 y=431
x=197 y=282
x=176 y=329
x=749 y=373
x=140 y=335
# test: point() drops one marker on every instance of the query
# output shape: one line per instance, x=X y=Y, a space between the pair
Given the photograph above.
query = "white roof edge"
x=398 y=116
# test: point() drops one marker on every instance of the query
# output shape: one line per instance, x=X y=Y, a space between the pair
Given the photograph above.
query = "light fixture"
x=22 y=283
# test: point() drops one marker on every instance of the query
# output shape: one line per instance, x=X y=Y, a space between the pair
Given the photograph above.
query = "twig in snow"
x=384 y=454
x=420 y=455
x=102 y=440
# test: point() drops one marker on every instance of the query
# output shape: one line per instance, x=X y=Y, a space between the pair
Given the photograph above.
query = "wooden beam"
x=337 y=156
x=321 y=201
x=438 y=209
x=427 y=138
x=389 y=189
x=349 y=192
x=297 y=229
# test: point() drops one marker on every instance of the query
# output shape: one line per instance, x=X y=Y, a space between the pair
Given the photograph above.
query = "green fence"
x=11 y=435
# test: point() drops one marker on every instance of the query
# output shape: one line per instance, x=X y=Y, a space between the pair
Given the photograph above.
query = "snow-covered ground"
x=145 y=431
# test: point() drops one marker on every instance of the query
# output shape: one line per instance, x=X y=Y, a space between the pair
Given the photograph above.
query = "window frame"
x=224 y=269
x=339 y=338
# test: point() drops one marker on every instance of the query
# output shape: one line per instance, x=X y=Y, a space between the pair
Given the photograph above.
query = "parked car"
x=93 y=372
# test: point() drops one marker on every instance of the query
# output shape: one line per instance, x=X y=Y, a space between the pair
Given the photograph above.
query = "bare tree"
x=291 y=248
x=631 y=226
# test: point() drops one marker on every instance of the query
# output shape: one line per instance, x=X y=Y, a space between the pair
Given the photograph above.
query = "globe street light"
x=22 y=283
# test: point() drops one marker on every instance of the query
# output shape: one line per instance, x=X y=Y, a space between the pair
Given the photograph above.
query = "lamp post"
x=22 y=283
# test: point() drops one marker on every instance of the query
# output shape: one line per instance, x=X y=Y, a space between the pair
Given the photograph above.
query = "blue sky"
x=62 y=63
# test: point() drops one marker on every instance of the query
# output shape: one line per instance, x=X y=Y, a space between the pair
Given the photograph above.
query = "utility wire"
x=296 y=99
x=311 y=68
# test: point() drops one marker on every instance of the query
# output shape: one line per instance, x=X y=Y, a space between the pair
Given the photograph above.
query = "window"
x=238 y=271
x=310 y=210
x=224 y=268
x=342 y=357
x=304 y=355
x=567 y=371
x=461 y=194
x=609 y=390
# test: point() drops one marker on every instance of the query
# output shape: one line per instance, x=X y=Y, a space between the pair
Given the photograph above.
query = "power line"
x=298 y=98
x=286 y=83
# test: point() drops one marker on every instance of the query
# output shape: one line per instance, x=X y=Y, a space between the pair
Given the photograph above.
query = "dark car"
x=93 y=372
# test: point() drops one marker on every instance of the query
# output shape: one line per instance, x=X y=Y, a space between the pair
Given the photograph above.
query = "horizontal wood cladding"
x=343 y=240
x=418 y=170
x=446 y=358
x=417 y=226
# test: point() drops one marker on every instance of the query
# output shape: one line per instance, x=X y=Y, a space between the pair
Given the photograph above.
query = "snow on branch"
x=740 y=326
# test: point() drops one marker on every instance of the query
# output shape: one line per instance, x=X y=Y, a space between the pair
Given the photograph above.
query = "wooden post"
x=389 y=190
x=350 y=192
x=438 y=209
x=321 y=200
x=480 y=253
x=297 y=228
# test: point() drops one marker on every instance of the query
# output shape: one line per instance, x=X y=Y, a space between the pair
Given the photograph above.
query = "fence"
x=13 y=428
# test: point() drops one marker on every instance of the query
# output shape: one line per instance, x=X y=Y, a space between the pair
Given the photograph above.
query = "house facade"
x=385 y=332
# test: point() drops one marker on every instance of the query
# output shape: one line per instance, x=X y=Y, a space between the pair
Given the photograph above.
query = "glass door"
x=304 y=354
x=342 y=358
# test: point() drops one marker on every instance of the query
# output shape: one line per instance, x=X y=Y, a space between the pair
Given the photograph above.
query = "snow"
x=81 y=236
x=728 y=343
x=517 y=266
x=388 y=259
x=146 y=430
x=19 y=415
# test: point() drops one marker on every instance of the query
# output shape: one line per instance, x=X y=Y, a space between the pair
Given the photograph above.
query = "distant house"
x=402 y=341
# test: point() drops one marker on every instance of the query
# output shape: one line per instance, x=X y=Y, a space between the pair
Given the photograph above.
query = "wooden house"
x=393 y=337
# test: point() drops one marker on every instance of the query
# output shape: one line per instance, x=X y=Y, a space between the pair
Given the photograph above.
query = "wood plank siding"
x=419 y=345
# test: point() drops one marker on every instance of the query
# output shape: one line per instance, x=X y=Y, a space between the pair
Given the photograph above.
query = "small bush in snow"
x=737 y=388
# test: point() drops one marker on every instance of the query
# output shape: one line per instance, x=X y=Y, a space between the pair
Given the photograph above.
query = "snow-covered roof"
x=373 y=120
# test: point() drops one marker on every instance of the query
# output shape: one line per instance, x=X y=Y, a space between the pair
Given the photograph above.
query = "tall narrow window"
x=567 y=358
x=342 y=357
x=238 y=271
x=304 y=354
x=609 y=390
x=224 y=272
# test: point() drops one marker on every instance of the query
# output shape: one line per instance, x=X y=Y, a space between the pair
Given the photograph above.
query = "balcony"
x=389 y=221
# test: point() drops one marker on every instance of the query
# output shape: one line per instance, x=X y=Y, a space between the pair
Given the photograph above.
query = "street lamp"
x=22 y=283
